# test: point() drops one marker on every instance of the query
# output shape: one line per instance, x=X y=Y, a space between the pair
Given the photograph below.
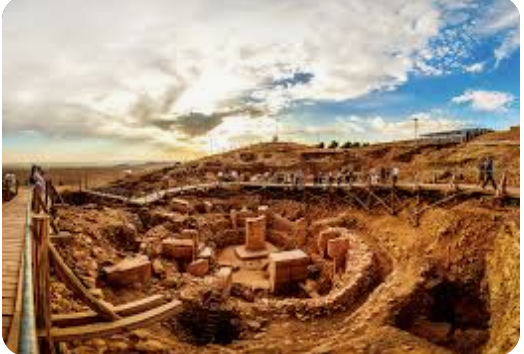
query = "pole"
x=275 y=138
x=415 y=120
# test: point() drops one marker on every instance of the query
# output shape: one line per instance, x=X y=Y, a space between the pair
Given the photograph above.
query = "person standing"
x=482 y=171
x=394 y=175
x=37 y=177
x=489 y=173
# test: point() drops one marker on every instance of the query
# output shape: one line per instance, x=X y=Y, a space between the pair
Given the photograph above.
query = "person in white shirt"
x=394 y=175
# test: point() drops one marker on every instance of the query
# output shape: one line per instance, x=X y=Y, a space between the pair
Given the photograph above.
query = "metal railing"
x=28 y=338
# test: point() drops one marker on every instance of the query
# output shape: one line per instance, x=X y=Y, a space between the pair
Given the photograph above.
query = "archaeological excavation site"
x=271 y=249
x=261 y=176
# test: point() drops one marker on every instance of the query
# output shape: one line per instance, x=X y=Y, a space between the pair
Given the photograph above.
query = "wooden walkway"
x=513 y=192
x=13 y=235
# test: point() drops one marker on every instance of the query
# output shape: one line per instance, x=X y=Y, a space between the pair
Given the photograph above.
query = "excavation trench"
x=454 y=314
x=451 y=314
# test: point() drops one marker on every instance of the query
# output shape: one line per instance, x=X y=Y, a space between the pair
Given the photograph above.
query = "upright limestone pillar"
x=256 y=233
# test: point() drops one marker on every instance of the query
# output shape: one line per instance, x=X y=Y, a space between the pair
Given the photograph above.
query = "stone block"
x=300 y=232
x=208 y=206
x=189 y=234
x=224 y=280
x=158 y=267
x=285 y=267
x=263 y=210
x=178 y=248
x=245 y=254
x=218 y=224
x=256 y=233
x=324 y=237
x=130 y=271
x=298 y=273
x=206 y=253
x=280 y=223
x=243 y=215
x=158 y=232
x=198 y=268
x=337 y=248
x=280 y=239
x=181 y=205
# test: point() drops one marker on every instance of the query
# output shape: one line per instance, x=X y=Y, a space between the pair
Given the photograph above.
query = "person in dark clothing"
x=482 y=169
x=34 y=170
x=489 y=173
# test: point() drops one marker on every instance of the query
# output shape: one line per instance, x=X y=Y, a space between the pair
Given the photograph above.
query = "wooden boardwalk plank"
x=87 y=317
x=108 y=328
x=13 y=235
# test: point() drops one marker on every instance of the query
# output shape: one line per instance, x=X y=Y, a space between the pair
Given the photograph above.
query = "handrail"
x=28 y=337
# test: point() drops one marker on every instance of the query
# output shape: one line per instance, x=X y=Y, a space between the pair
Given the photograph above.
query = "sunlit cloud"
x=169 y=74
x=490 y=101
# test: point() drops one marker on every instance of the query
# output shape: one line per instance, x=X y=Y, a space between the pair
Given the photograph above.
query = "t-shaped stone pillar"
x=256 y=233
x=255 y=245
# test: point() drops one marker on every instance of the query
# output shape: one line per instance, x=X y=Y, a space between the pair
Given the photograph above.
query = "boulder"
x=130 y=271
x=207 y=253
x=181 y=205
x=198 y=268
x=158 y=232
x=124 y=236
x=158 y=267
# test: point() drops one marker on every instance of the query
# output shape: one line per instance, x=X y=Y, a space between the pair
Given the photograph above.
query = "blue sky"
x=172 y=79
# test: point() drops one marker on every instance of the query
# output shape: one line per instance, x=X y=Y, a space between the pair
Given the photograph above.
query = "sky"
x=122 y=80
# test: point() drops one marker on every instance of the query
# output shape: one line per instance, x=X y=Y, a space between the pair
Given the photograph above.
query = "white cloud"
x=501 y=20
x=510 y=44
x=200 y=56
x=73 y=67
x=474 y=68
x=490 y=101
x=382 y=128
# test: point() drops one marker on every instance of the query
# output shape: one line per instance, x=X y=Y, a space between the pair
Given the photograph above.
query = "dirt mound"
x=424 y=162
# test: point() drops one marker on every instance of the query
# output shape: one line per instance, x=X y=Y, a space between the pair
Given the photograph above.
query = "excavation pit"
x=352 y=253
x=207 y=322
x=450 y=314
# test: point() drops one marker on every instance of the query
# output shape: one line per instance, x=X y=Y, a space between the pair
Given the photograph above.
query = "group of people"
x=383 y=175
x=487 y=172
x=299 y=177
x=9 y=186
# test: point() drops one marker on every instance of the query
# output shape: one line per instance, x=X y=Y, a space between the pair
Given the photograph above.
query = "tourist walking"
x=489 y=173
x=482 y=171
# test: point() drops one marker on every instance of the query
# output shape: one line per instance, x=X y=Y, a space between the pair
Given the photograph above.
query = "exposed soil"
x=449 y=285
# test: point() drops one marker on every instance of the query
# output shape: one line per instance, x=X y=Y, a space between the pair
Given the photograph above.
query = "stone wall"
x=228 y=237
x=280 y=239
x=360 y=277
